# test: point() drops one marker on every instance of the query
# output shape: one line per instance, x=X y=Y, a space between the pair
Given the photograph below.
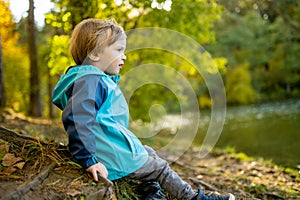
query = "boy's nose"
x=124 y=57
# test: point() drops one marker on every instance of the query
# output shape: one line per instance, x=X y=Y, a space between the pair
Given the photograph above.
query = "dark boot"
x=202 y=196
x=151 y=190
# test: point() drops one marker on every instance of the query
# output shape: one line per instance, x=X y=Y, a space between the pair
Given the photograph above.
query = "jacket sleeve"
x=86 y=95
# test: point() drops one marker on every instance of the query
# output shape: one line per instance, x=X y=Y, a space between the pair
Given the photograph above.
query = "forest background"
x=255 y=44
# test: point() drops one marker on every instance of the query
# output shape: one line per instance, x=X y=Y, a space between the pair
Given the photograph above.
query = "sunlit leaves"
x=6 y=22
x=221 y=64
x=59 y=59
x=15 y=61
x=66 y=16
x=16 y=68
x=193 y=18
x=61 y=23
x=238 y=87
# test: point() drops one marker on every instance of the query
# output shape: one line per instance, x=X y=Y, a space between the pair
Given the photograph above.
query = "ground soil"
x=41 y=172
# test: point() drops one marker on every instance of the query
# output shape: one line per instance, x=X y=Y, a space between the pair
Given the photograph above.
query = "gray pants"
x=158 y=170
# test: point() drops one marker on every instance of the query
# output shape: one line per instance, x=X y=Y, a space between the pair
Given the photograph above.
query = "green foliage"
x=14 y=61
x=254 y=44
x=152 y=79
x=127 y=189
x=190 y=17
x=59 y=58
x=254 y=33
x=75 y=164
x=237 y=155
x=6 y=23
x=285 y=60
x=230 y=150
x=2 y=154
x=293 y=173
x=238 y=86
x=258 y=189
x=243 y=40
x=69 y=13
x=242 y=157
x=16 y=76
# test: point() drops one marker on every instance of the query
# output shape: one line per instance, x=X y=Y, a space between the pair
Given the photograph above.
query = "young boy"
x=95 y=115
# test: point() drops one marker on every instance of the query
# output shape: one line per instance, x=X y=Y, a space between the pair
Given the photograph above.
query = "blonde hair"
x=93 y=35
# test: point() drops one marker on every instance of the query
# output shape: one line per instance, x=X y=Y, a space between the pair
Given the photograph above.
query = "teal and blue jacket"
x=95 y=116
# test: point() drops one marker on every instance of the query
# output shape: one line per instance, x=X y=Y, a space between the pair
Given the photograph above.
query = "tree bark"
x=35 y=108
x=52 y=109
x=2 y=87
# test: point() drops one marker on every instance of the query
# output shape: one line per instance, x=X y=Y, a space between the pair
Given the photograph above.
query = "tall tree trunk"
x=35 y=108
x=52 y=109
x=2 y=88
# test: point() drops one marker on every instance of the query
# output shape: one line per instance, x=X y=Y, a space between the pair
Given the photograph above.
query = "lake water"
x=270 y=130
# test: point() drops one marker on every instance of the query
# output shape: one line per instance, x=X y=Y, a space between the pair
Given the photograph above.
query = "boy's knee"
x=150 y=150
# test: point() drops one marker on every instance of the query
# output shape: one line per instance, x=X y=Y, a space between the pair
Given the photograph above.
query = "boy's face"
x=112 y=57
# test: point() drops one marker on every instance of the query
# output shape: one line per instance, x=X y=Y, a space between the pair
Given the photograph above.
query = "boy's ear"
x=94 y=56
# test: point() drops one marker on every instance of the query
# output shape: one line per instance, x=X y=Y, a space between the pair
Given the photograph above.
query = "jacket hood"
x=59 y=96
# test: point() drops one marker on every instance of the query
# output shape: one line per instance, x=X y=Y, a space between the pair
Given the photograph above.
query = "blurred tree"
x=35 y=107
x=6 y=28
x=266 y=35
x=194 y=18
x=243 y=40
x=14 y=62
x=238 y=86
x=2 y=87
x=7 y=36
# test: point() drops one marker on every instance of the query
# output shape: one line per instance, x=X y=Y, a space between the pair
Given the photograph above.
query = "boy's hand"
x=96 y=169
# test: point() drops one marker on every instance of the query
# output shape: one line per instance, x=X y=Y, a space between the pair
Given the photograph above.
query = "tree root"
x=16 y=138
x=19 y=193
x=57 y=153
x=202 y=183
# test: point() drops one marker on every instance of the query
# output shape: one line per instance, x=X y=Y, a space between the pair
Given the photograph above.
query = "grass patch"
x=126 y=189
